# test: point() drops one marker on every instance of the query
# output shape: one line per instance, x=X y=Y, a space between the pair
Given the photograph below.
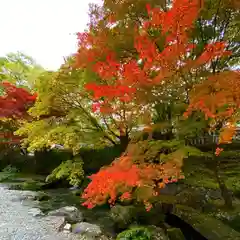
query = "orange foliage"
x=219 y=99
x=124 y=176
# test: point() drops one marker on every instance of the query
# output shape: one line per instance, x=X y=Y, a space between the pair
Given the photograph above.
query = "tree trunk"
x=124 y=140
x=226 y=194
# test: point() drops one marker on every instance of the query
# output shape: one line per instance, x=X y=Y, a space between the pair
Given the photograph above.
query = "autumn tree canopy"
x=135 y=79
x=139 y=67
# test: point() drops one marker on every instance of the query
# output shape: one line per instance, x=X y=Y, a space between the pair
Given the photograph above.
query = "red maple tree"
x=129 y=80
x=14 y=104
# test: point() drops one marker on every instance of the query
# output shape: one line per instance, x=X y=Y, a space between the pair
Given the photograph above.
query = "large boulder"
x=192 y=197
x=122 y=216
x=71 y=214
x=58 y=222
x=88 y=229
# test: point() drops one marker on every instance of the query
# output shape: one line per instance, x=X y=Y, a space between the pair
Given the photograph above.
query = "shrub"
x=8 y=173
x=137 y=233
x=10 y=169
x=71 y=170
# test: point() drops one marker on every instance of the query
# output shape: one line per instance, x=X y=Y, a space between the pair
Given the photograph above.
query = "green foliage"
x=71 y=170
x=8 y=173
x=10 y=169
x=95 y=158
x=19 y=69
x=44 y=133
x=194 y=126
x=137 y=233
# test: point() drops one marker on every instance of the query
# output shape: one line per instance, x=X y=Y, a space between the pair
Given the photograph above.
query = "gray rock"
x=57 y=222
x=86 y=228
x=41 y=197
x=24 y=198
x=71 y=214
x=214 y=194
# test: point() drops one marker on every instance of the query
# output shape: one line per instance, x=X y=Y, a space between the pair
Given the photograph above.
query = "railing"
x=202 y=140
x=211 y=139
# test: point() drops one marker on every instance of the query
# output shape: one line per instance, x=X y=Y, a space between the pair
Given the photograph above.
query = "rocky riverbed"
x=22 y=220
x=19 y=222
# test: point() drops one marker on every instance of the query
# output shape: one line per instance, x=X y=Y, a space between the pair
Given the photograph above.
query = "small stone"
x=67 y=227
x=70 y=208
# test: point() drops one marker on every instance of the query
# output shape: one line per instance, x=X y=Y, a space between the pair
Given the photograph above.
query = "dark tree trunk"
x=226 y=194
x=124 y=141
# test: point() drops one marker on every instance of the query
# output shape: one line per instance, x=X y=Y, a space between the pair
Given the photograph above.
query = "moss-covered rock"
x=29 y=185
x=153 y=217
x=192 y=197
x=123 y=215
x=42 y=197
x=175 y=234
x=32 y=185
x=209 y=227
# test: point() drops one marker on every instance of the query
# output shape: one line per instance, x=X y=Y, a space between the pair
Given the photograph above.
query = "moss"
x=175 y=234
x=209 y=227
x=235 y=223
x=7 y=177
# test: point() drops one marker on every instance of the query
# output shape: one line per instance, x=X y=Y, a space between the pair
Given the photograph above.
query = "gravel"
x=17 y=223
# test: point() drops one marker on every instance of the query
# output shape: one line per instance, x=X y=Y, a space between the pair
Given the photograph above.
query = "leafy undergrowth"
x=137 y=233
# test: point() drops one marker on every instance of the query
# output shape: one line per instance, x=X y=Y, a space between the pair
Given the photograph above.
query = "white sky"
x=42 y=29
